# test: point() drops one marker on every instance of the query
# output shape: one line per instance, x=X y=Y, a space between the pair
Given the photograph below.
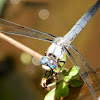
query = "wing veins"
x=16 y=29
x=86 y=71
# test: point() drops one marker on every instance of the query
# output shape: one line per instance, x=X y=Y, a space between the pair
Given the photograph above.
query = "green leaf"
x=64 y=72
x=73 y=71
x=62 y=89
x=67 y=78
x=52 y=84
x=76 y=83
x=50 y=95
x=62 y=59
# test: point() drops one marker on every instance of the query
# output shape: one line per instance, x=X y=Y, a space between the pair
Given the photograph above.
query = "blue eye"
x=52 y=64
x=43 y=60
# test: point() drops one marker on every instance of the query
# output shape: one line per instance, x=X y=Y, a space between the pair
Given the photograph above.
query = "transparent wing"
x=87 y=73
x=16 y=29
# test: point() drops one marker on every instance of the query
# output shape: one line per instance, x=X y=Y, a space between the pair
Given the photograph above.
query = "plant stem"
x=61 y=98
x=20 y=46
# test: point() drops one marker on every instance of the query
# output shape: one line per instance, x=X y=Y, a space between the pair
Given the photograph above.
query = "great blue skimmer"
x=60 y=46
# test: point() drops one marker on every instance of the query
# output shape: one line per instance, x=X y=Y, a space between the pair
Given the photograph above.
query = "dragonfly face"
x=54 y=54
x=48 y=63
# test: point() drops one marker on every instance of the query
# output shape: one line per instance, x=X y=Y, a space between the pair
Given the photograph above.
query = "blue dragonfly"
x=61 y=46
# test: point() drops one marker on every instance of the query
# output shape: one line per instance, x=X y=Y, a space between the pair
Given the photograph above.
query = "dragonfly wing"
x=87 y=73
x=16 y=29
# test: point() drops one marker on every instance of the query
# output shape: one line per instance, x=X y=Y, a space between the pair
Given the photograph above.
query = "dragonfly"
x=61 y=46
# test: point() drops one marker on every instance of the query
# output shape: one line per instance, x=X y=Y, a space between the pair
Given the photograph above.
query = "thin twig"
x=20 y=46
x=99 y=98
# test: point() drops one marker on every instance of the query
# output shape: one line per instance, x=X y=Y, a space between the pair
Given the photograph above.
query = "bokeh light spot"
x=44 y=14
x=35 y=61
x=15 y=1
x=26 y=58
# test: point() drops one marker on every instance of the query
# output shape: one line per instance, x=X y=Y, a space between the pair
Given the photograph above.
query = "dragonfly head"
x=48 y=63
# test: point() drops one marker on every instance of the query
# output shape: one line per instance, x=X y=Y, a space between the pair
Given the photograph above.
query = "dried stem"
x=20 y=46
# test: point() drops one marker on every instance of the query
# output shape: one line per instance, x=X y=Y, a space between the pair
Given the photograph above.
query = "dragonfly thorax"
x=57 y=48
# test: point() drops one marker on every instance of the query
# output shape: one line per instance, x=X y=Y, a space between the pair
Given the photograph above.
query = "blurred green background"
x=21 y=81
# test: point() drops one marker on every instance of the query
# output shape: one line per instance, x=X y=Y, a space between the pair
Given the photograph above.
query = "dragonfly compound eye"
x=52 y=64
x=44 y=60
